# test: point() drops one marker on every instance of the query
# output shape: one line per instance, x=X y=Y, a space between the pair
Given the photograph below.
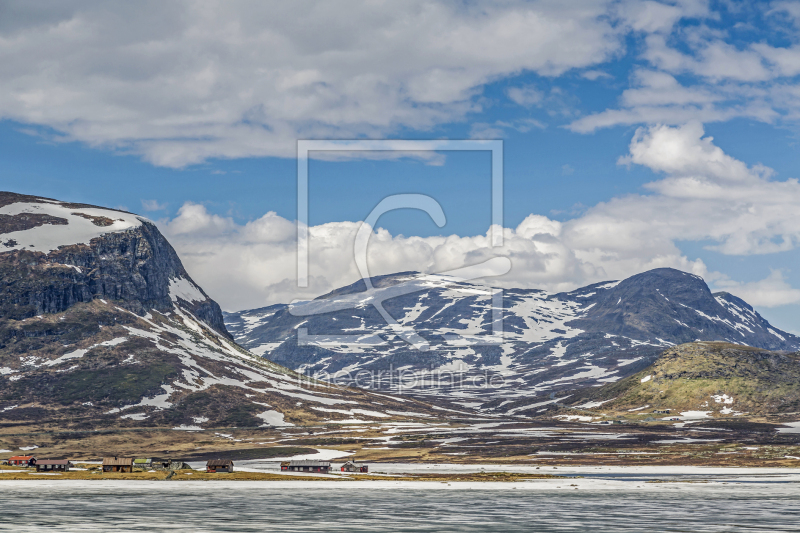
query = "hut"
x=352 y=466
x=117 y=464
x=308 y=465
x=53 y=465
x=219 y=465
x=22 y=460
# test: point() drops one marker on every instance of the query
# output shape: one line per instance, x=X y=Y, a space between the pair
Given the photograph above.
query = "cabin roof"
x=219 y=462
x=309 y=462
x=117 y=461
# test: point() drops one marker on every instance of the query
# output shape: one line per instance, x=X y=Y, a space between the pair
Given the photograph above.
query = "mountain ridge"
x=553 y=342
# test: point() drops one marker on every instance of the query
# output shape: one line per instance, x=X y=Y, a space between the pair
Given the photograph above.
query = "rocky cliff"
x=124 y=258
x=101 y=326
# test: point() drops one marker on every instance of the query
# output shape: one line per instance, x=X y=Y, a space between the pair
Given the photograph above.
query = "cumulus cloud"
x=184 y=81
x=703 y=194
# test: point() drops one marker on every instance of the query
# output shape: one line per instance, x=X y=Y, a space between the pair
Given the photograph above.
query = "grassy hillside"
x=720 y=378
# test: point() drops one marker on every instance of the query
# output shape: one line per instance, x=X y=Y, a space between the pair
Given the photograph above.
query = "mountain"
x=704 y=378
x=552 y=342
x=102 y=327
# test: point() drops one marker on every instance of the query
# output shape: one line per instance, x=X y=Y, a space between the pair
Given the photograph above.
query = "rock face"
x=134 y=265
x=101 y=326
x=551 y=342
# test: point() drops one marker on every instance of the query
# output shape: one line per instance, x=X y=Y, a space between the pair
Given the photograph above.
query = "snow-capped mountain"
x=444 y=337
x=101 y=326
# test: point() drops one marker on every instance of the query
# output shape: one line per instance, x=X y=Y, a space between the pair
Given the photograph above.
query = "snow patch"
x=273 y=419
x=186 y=290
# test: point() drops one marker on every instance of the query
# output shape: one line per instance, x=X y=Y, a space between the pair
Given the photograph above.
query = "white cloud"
x=182 y=82
x=498 y=128
x=704 y=195
x=658 y=97
x=684 y=152
x=771 y=291
x=713 y=59
x=153 y=205
x=593 y=75
x=650 y=16
x=525 y=96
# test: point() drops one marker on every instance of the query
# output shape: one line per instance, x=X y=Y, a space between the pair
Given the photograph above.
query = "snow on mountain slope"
x=550 y=342
x=43 y=225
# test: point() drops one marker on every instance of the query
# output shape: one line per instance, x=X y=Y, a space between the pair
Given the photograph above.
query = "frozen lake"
x=754 y=503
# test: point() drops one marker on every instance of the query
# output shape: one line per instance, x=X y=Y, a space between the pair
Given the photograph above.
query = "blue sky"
x=636 y=134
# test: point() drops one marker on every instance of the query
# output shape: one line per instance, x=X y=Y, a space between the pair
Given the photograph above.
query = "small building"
x=308 y=465
x=352 y=466
x=22 y=460
x=661 y=411
x=219 y=465
x=117 y=464
x=143 y=464
x=53 y=465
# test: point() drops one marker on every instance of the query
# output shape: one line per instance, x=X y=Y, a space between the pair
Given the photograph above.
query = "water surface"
x=551 y=506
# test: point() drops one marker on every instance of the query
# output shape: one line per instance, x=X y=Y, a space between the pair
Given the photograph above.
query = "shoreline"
x=412 y=475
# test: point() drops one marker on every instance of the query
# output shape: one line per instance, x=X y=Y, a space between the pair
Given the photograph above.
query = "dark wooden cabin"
x=53 y=465
x=118 y=464
x=308 y=465
x=219 y=465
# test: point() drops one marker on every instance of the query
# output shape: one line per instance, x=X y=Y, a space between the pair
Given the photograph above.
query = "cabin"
x=661 y=411
x=117 y=464
x=352 y=466
x=53 y=465
x=219 y=465
x=22 y=460
x=307 y=465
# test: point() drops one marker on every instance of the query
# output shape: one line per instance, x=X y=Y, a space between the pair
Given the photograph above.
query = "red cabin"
x=22 y=460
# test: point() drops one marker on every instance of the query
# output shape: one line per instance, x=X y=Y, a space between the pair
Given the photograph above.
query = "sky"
x=636 y=135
